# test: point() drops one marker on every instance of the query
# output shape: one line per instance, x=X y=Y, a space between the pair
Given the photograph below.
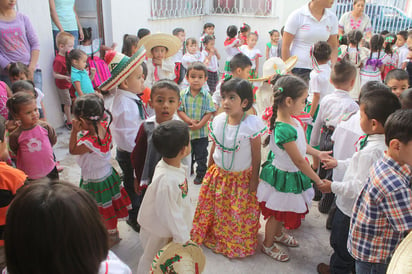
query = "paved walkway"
x=312 y=235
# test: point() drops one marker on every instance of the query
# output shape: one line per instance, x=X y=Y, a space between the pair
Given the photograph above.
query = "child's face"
x=365 y=123
x=275 y=37
x=134 y=49
x=232 y=103
x=28 y=114
x=7 y=4
x=135 y=81
x=196 y=79
x=159 y=53
x=210 y=45
x=192 y=48
x=400 y=41
x=398 y=86
x=210 y=30
x=299 y=103
x=181 y=35
x=63 y=48
x=252 y=41
x=242 y=73
x=165 y=102
x=21 y=76
x=81 y=63
x=405 y=153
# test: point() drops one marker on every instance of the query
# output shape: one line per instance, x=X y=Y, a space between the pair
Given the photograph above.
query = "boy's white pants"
x=151 y=245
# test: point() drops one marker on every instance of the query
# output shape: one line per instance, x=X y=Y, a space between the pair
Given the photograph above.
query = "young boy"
x=332 y=107
x=166 y=213
x=401 y=38
x=382 y=215
x=196 y=109
x=128 y=114
x=397 y=80
x=406 y=99
x=375 y=107
x=64 y=43
x=240 y=66
x=180 y=71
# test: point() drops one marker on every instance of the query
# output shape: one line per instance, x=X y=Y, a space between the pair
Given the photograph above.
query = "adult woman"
x=356 y=20
x=306 y=26
x=64 y=18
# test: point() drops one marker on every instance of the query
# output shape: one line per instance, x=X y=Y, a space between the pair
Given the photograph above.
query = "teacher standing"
x=356 y=20
x=306 y=26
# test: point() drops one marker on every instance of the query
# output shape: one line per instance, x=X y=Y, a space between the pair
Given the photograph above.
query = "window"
x=176 y=8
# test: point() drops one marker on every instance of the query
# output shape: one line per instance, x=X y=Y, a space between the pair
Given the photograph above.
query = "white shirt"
x=177 y=58
x=331 y=109
x=307 y=31
x=320 y=82
x=357 y=172
x=39 y=99
x=345 y=138
x=113 y=265
x=164 y=211
x=217 y=97
x=190 y=58
x=231 y=49
x=166 y=71
x=403 y=53
x=126 y=119
x=213 y=64
x=253 y=54
x=93 y=48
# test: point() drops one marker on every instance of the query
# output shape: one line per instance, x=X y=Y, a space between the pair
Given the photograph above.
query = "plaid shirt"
x=382 y=214
x=195 y=108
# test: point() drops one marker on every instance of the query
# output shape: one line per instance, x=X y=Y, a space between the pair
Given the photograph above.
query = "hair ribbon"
x=389 y=39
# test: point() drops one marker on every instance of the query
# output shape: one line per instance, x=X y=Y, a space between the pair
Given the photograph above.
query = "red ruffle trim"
x=291 y=220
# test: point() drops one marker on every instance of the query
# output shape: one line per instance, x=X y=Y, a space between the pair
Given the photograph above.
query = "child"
x=210 y=57
x=406 y=99
x=76 y=60
x=160 y=47
x=192 y=52
x=253 y=53
x=373 y=67
x=244 y=31
x=196 y=109
x=128 y=114
x=227 y=213
x=53 y=208
x=375 y=107
x=142 y=32
x=231 y=44
x=92 y=141
x=64 y=43
x=180 y=71
x=129 y=44
x=28 y=87
x=382 y=213
x=285 y=190
x=5 y=93
x=166 y=213
x=402 y=47
x=397 y=80
x=390 y=41
x=208 y=29
x=331 y=109
x=273 y=48
x=357 y=55
x=32 y=140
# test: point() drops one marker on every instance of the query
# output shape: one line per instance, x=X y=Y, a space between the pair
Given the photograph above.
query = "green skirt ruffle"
x=284 y=181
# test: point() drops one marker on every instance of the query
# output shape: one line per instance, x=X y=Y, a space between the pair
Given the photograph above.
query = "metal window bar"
x=242 y=7
x=176 y=8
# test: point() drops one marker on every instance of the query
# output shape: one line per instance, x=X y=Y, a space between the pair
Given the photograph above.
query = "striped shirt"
x=382 y=214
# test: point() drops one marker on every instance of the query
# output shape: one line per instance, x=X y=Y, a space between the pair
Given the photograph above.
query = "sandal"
x=286 y=239
x=114 y=239
x=280 y=255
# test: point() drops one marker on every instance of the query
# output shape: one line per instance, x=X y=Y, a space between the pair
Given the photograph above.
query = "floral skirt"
x=227 y=214
x=111 y=198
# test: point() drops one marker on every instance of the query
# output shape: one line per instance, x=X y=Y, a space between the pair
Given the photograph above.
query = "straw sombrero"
x=179 y=258
x=401 y=261
x=275 y=65
x=172 y=43
x=121 y=66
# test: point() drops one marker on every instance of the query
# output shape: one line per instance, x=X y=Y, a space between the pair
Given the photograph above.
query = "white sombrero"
x=171 y=42
x=121 y=66
x=401 y=261
x=179 y=258
x=274 y=66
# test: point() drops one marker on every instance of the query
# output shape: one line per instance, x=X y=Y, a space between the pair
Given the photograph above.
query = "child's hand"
x=253 y=185
x=76 y=125
x=157 y=62
x=329 y=163
x=325 y=187
x=194 y=126
x=136 y=186
x=324 y=155
x=68 y=79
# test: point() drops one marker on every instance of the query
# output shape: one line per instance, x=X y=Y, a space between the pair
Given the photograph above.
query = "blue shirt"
x=82 y=76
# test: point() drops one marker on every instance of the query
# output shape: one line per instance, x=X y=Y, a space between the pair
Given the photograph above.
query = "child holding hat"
x=160 y=47
x=128 y=114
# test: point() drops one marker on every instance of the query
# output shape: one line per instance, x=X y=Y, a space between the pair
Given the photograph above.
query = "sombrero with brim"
x=121 y=66
x=179 y=258
x=172 y=43
x=401 y=261
x=274 y=66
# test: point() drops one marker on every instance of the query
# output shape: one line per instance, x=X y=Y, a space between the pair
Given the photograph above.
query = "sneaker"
x=134 y=225
x=68 y=125
x=323 y=268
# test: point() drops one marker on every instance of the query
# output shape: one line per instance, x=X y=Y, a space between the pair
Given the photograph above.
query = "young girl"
x=92 y=141
x=374 y=65
x=231 y=46
x=390 y=41
x=253 y=53
x=285 y=191
x=244 y=33
x=33 y=139
x=5 y=93
x=92 y=49
x=227 y=214
x=273 y=48
x=210 y=57
x=355 y=54
x=129 y=44
x=77 y=60
x=208 y=29
x=192 y=55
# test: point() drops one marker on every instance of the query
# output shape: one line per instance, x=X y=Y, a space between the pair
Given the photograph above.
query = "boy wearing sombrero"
x=160 y=47
x=128 y=114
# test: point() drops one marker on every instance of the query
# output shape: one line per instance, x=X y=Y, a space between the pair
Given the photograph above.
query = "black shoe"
x=323 y=268
x=326 y=202
x=134 y=225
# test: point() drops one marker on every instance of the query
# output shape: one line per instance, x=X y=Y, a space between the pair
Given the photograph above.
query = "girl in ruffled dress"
x=91 y=139
x=231 y=44
x=285 y=191
x=227 y=214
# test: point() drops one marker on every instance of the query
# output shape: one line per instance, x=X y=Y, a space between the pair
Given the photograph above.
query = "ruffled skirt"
x=227 y=214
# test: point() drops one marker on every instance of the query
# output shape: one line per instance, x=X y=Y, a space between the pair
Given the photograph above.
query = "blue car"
x=383 y=17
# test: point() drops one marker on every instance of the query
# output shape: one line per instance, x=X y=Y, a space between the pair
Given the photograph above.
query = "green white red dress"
x=101 y=180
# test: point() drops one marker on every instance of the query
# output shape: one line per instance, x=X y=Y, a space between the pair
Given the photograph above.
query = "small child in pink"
x=4 y=94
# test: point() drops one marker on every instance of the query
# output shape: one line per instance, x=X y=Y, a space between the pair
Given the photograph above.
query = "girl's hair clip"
x=256 y=32
x=280 y=89
x=389 y=39
x=94 y=118
x=227 y=77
